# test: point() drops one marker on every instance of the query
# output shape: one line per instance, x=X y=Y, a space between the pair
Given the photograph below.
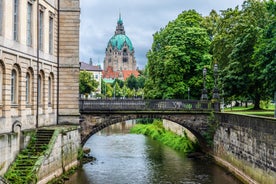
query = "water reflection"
x=129 y=158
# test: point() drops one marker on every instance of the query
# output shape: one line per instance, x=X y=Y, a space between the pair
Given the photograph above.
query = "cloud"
x=141 y=20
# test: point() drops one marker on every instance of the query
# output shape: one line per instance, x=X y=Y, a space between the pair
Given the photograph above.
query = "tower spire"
x=120 y=27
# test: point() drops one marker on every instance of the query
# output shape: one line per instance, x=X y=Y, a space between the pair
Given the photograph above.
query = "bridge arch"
x=196 y=123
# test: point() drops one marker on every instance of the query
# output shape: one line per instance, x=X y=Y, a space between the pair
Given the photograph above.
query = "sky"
x=141 y=19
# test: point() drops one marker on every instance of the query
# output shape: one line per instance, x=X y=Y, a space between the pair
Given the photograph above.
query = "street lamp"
x=204 y=95
x=215 y=91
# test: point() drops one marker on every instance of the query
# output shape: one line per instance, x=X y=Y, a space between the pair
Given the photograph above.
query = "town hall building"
x=119 y=61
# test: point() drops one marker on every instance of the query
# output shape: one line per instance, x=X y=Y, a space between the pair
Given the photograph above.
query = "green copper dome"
x=117 y=41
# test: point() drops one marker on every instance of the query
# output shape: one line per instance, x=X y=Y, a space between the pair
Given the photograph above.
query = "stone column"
x=69 y=23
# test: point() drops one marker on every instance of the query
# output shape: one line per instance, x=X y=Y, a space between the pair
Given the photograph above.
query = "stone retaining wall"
x=62 y=155
x=248 y=145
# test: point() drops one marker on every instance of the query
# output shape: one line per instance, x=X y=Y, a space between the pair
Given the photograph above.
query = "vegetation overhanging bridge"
x=99 y=114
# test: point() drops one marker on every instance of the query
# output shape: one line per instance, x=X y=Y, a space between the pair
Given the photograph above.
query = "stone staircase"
x=23 y=169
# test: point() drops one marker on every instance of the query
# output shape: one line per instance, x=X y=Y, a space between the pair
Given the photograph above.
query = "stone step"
x=28 y=157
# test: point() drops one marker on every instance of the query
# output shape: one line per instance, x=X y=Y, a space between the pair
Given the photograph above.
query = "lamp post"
x=215 y=91
x=204 y=95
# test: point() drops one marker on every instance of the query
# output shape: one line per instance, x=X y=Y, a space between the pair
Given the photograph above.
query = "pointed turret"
x=120 y=27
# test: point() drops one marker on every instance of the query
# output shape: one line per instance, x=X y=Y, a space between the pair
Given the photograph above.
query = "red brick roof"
x=123 y=75
x=127 y=73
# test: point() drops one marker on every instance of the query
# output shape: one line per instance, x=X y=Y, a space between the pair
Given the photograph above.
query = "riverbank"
x=157 y=132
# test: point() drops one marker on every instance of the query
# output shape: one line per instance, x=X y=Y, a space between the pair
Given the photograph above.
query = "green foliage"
x=119 y=82
x=176 y=59
x=157 y=132
x=145 y=121
x=14 y=175
x=244 y=47
x=131 y=82
x=80 y=154
x=87 y=83
x=211 y=130
x=64 y=177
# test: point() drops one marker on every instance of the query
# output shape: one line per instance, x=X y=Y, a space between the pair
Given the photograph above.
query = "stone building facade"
x=119 y=54
x=39 y=68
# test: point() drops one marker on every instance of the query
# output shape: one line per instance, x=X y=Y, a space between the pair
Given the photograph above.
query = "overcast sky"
x=141 y=18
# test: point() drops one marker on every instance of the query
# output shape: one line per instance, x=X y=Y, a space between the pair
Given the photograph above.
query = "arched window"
x=14 y=87
x=39 y=88
x=1 y=83
x=28 y=88
x=49 y=91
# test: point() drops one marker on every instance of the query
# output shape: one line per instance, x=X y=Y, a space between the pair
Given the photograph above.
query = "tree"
x=109 y=91
x=87 y=83
x=120 y=83
x=116 y=90
x=178 y=54
x=265 y=52
x=141 y=81
x=131 y=82
x=233 y=48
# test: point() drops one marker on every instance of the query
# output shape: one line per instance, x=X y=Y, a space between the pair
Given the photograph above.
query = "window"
x=49 y=91
x=29 y=23
x=51 y=24
x=1 y=83
x=41 y=25
x=1 y=16
x=28 y=88
x=14 y=87
x=15 y=19
x=39 y=92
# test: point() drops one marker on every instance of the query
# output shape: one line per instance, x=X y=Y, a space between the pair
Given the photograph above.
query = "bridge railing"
x=143 y=105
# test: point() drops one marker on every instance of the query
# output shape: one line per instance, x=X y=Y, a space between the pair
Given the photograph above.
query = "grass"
x=266 y=111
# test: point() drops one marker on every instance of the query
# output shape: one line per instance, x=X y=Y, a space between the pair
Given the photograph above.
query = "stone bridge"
x=99 y=114
x=245 y=145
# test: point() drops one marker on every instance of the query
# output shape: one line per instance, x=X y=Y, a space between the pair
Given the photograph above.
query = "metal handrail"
x=143 y=105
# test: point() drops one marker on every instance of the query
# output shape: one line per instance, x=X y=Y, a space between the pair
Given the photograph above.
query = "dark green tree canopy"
x=244 y=46
x=178 y=54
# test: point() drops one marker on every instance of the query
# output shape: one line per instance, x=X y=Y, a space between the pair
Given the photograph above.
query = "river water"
x=123 y=158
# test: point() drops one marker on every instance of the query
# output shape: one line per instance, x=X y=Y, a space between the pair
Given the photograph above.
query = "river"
x=123 y=158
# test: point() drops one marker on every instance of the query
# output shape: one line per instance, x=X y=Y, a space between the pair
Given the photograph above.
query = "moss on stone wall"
x=257 y=174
